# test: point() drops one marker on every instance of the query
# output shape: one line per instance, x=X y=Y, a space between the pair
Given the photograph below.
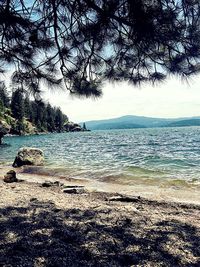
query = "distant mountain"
x=115 y=125
x=130 y=121
x=184 y=123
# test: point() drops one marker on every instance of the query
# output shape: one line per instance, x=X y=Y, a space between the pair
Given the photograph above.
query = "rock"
x=74 y=190
x=10 y=177
x=4 y=129
x=46 y=184
x=33 y=199
x=49 y=184
x=29 y=156
x=73 y=127
x=57 y=183
x=124 y=199
x=77 y=129
x=73 y=186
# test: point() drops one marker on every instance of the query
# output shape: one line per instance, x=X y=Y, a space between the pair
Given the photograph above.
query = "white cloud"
x=174 y=98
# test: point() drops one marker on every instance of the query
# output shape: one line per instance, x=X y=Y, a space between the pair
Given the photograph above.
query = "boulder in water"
x=10 y=177
x=73 y=127
x=29 y=156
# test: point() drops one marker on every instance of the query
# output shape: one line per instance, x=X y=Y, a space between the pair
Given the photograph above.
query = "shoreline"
x=156 y=192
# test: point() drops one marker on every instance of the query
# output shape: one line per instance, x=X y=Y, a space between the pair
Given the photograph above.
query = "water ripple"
x=163 y=153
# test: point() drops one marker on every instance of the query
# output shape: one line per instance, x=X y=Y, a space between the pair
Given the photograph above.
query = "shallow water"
x=124 y=156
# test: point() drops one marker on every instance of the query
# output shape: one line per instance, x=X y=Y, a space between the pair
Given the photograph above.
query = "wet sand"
x=172 y=191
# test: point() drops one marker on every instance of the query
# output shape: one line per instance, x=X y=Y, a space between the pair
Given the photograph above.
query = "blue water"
x=160 y=153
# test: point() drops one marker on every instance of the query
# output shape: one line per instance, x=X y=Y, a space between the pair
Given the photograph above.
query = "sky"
x=171 y=99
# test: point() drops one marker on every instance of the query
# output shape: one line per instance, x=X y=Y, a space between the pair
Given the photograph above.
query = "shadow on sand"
x=43 y=235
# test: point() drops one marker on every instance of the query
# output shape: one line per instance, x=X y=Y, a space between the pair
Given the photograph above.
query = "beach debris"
x=29 y=156
x=46 y=184
x=33 y=199
x=124 y=198
x=49 y=184
x=10 y=177
x=73 y=186
x=79 y=189
x=57 y=183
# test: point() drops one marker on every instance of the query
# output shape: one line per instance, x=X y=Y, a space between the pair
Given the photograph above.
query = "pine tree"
x=86 y=42
x=44 y=117
x=4 y=95
x=27 y=108
x=59 y=120
x=50 y=118
x=33 y=113
x=17 y=108
x=41 y=117
x=84 y=127
x=17 y=104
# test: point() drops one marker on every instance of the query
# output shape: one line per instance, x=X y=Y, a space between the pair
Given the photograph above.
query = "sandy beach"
x=45 y=227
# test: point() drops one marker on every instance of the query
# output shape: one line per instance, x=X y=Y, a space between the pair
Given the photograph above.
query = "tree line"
x=19 y=106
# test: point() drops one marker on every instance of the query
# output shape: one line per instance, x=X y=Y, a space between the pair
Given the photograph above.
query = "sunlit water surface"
x=164 y=154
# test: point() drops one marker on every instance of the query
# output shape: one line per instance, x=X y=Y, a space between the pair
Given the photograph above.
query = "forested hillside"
x=24 y=116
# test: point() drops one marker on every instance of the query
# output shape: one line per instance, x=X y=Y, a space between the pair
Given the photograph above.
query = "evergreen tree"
x=41 y=122
x=33 y=113
x=84 y=127
x=44 y=117
x=59 y=120
x=17 y=104
x=4 y=95
x=65 y=118
x=27 y=108
x=17 y=108
x=50 y=118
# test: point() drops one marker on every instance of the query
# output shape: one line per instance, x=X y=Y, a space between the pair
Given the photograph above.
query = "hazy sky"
x=173 y=98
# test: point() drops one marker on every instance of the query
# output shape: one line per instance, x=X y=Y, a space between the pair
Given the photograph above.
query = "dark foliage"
x=84 y=126
x=59 y=120
x=4 y=95
x=43 y=116
x=17 y=104
x=50 y=118
x=27 y=108
x=81 y=43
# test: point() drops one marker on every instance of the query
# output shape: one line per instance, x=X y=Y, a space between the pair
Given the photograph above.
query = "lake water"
x=125 y=156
